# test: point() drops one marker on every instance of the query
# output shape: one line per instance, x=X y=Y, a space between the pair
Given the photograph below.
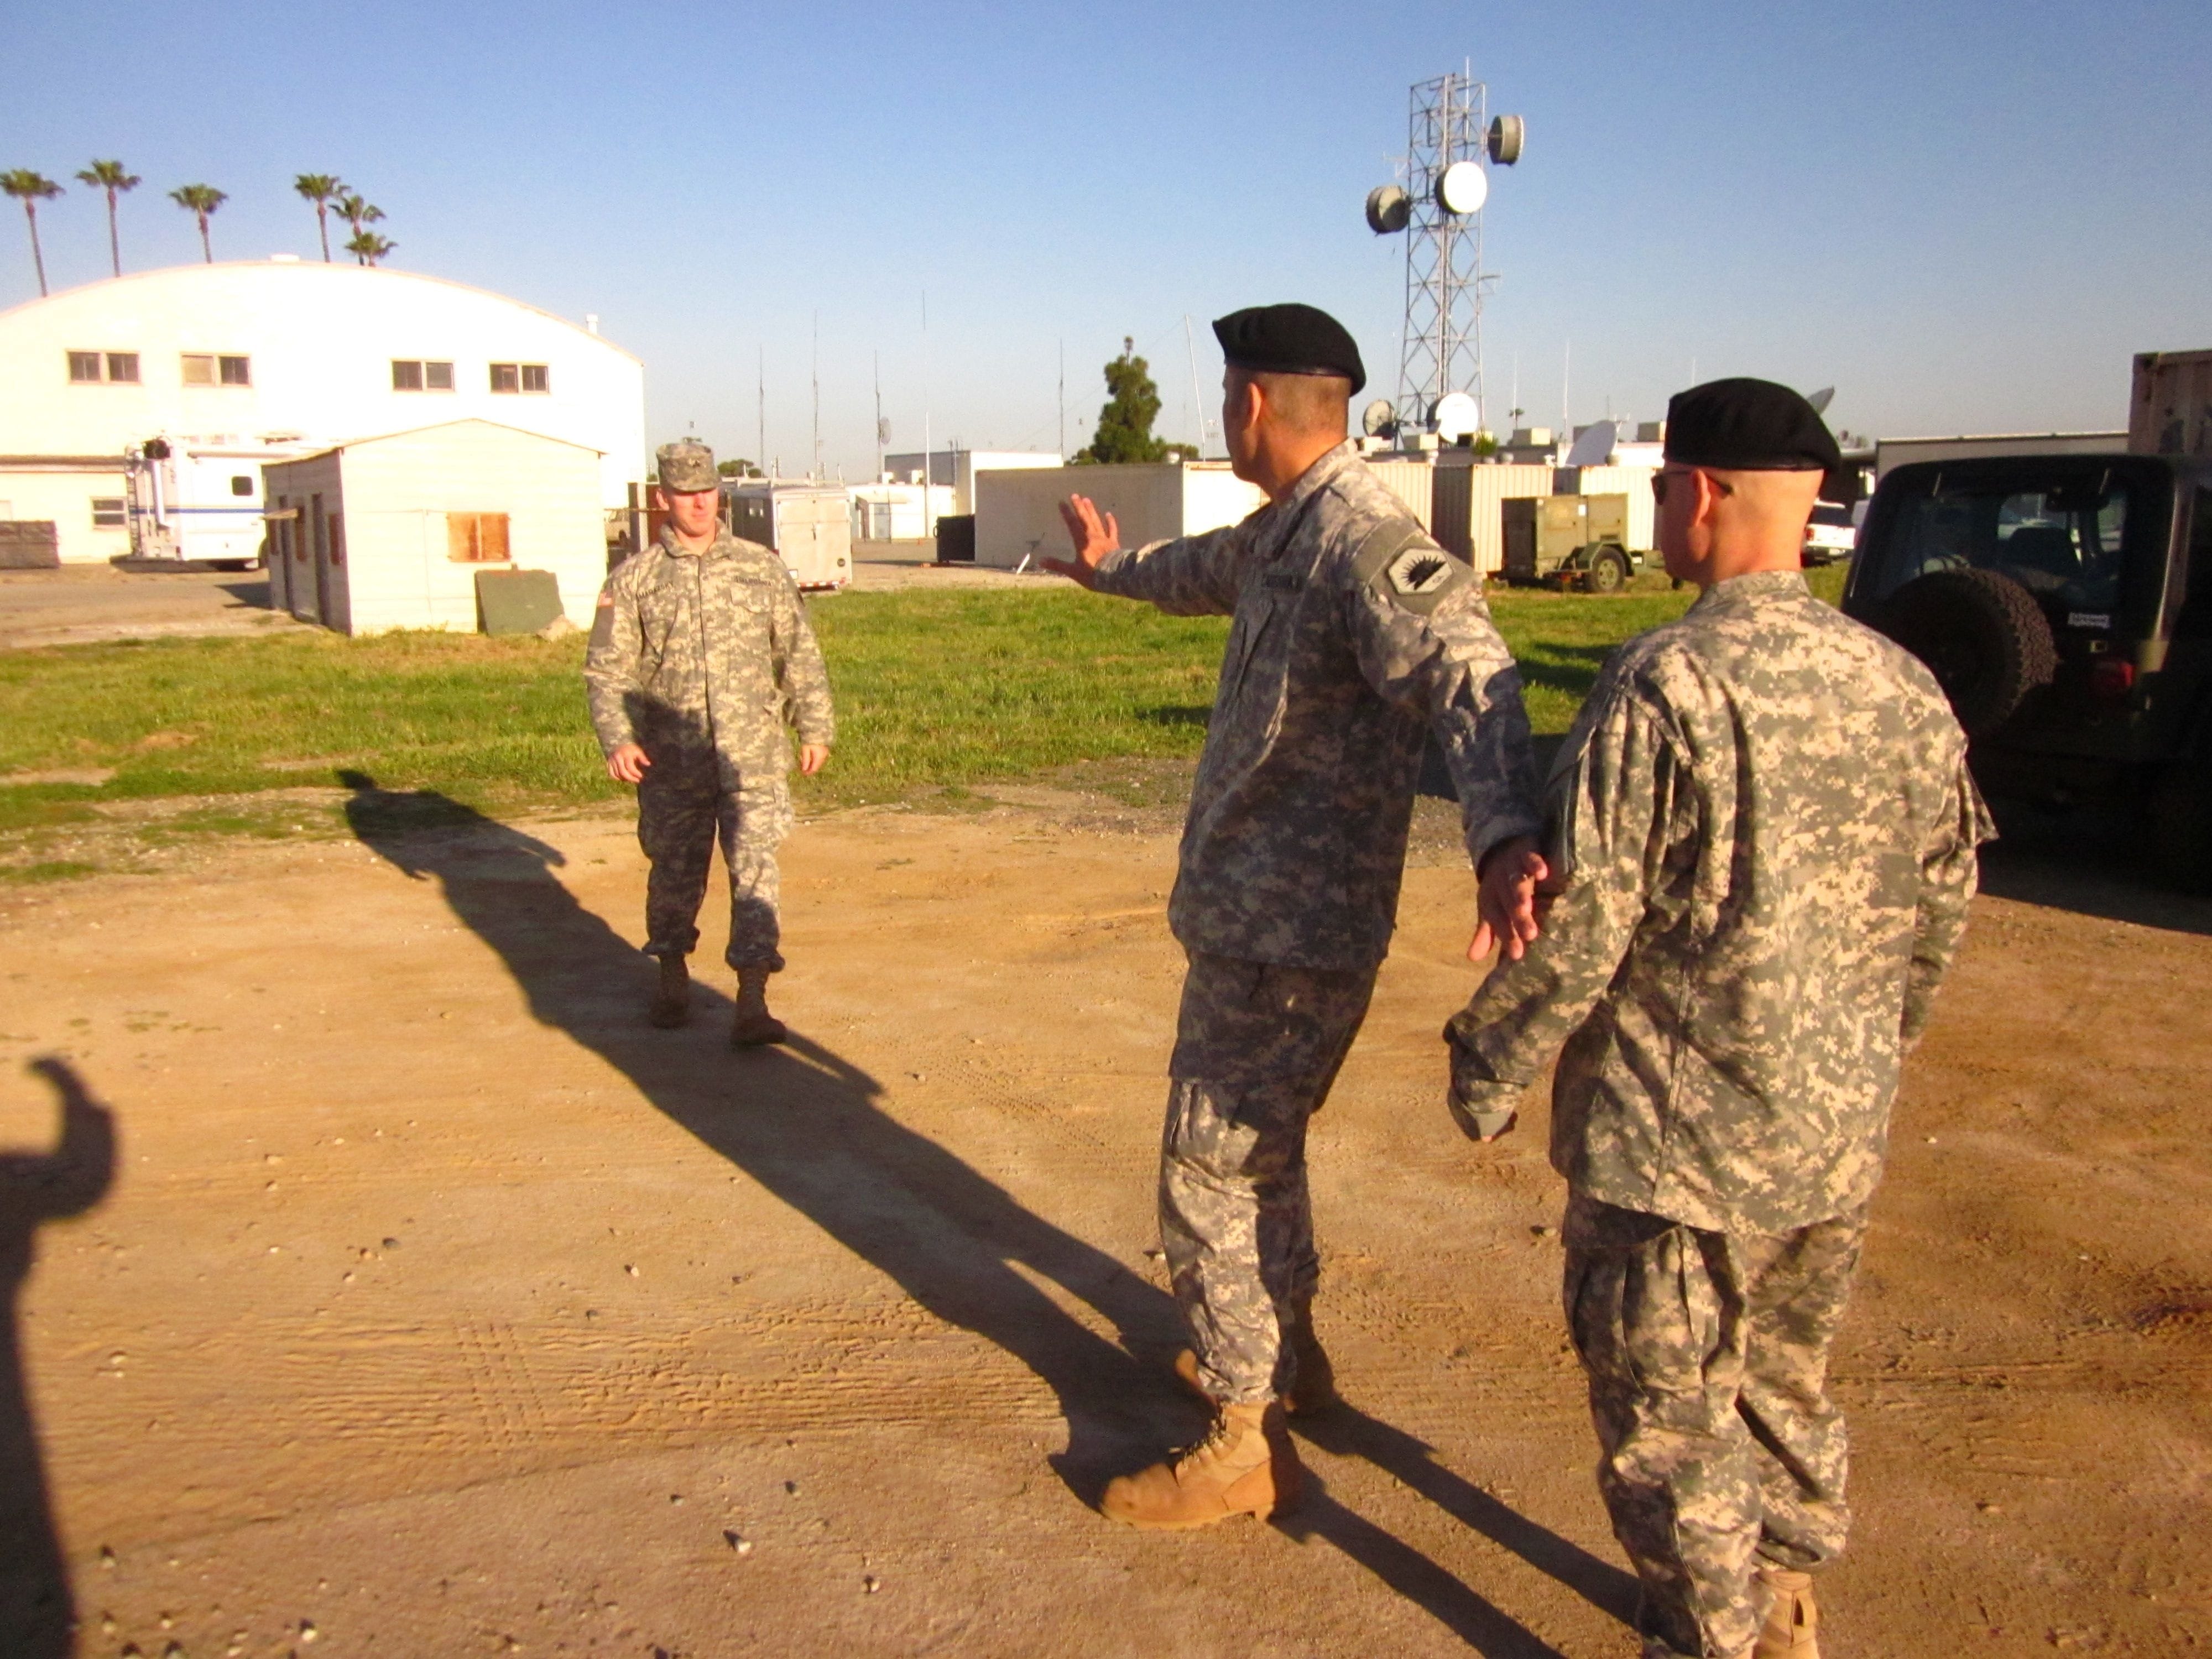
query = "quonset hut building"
x=262 y=360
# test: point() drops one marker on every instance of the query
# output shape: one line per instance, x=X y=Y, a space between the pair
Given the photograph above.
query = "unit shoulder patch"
x=1419 y=570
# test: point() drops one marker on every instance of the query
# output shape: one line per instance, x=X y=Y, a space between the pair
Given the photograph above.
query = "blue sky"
x=1966 y=215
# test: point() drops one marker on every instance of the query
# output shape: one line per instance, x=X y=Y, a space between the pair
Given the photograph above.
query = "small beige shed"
x=390 y=532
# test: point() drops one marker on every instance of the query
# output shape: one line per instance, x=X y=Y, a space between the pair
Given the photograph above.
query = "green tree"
x=356 y=211
x=322 y=189
x=1124 y=432
x=736 y=469
x=30 y=189
x=111 y=177
x=368 y=247
x=199 y=201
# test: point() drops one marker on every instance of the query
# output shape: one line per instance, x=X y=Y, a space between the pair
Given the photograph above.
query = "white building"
x=1017 y=510
x=957 y=469
x=281 y=355
x=391 y=531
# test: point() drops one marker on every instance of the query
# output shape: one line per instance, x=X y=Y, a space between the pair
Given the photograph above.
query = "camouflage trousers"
x=1257 y=1046
x=683 y=808
x=1707 y=1355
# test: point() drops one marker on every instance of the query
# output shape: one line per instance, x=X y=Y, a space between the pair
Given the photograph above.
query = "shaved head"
x=1308 y=404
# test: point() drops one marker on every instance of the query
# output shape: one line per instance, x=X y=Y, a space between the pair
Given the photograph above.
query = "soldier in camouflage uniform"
x=1762 y=835
x=701 y=656
x=1355 y=637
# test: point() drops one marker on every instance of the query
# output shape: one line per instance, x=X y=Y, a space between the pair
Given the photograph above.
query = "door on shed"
x=322 y=551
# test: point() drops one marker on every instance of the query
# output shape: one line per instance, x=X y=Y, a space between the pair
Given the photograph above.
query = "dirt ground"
x=80 y=603
x=435 y=1306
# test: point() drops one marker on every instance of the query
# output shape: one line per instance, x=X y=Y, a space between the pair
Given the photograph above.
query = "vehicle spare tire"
x=1982 y=637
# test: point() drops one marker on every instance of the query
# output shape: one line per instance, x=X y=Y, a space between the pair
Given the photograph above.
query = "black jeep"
x=2064 y=603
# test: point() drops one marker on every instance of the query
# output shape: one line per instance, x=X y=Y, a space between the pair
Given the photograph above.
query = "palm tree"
x=368 y=247
x=357 y=212
x=110 y=177
x=30 y=189
x=200 y=200
x=321 y=188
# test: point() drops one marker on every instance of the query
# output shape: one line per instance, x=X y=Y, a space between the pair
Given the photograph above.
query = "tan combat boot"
x=1312 y=1391
x=752 y=1026
x=1792 y=1618
x=1246 y=1465
x=672 y=1003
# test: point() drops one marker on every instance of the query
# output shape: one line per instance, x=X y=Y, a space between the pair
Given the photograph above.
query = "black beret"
x=1752 y=426
x=1289 y=339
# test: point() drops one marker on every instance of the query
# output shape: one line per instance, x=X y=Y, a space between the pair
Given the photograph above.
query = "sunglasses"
x=1659 y=485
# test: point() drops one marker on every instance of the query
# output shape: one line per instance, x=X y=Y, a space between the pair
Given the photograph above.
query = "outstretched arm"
x=1191 y=576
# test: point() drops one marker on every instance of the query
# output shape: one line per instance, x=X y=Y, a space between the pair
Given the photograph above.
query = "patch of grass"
x=936 y=692
x=48 y=870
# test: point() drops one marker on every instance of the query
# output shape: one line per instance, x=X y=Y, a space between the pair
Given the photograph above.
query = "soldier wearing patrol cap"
x=1356 y=636
x=1762 y=838
x=701 y=656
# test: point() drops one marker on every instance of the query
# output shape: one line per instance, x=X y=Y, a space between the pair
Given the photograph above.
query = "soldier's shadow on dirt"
x=2093 y=861
x=37 y=1611
x=808 y=1126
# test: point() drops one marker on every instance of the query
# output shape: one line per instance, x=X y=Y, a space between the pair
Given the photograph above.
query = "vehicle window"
x=2195 y=622
x=2062 y=543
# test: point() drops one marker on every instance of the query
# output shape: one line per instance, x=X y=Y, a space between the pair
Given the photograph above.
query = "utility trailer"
x=1579 y=541
x=808 y=525
x=198 y=503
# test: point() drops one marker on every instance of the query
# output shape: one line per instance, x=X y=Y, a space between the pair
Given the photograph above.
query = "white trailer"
x=199 y=502
x=807 y=523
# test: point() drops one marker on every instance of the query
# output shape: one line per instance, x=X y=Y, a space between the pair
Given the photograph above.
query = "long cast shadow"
x=807 y=1126
x=37 y=1613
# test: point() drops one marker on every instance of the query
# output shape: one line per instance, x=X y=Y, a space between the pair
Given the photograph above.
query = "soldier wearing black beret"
x=1763 y=833
x=1355 y=637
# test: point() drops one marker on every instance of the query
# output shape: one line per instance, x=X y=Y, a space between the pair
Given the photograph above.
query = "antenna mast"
x=1451 y=144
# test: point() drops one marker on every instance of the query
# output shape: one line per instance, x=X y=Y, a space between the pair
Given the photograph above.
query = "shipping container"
x=2170 y=411
x=1018 y=511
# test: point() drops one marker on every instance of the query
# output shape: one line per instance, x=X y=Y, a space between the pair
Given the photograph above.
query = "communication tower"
x=1451 y=143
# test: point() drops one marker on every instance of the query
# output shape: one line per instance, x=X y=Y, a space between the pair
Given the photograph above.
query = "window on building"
x=476 y=537
x=107 y=512
x=338 y=539
x=242 y=485
x=203 y=368
x=91 y=368
x=520 y=377
x=408 y=374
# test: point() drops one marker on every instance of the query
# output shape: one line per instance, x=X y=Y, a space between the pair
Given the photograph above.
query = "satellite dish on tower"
x=1455 y=416
x=1821 y=399
x=1388 y=208
x=1506 y=133
x=1380 y=420
x=1462 y=187
x=1595 y=447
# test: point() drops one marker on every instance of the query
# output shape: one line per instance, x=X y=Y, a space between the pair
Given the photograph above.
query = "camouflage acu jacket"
x=1767 y=833
x=1354 y=634
x=705 y=653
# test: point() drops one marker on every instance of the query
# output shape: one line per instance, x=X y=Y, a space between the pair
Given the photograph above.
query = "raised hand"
x=1093 y=536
